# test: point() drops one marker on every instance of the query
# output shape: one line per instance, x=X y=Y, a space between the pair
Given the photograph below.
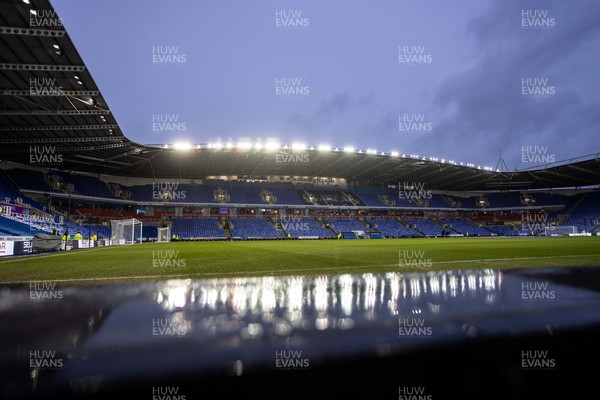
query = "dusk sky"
x=456 y=79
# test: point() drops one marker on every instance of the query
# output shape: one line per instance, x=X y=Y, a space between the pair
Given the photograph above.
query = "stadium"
x=179 y=269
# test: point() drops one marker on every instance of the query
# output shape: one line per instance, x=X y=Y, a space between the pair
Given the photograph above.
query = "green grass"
x=228 y=259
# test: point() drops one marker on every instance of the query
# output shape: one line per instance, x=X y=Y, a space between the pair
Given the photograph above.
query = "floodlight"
x=182 y=146
x=298 y=146
x=272 y=145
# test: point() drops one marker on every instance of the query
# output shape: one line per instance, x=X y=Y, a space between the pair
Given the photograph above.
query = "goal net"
x=560 y=230
x=164 y=235
x=126 y=231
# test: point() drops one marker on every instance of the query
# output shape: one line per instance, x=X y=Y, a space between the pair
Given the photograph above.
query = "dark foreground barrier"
x=481 y=334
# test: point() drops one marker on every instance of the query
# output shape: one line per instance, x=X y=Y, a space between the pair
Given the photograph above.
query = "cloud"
x=488 y=110
x=325 y=113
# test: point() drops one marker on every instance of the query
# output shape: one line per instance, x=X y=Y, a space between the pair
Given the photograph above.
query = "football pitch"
x=198 y=260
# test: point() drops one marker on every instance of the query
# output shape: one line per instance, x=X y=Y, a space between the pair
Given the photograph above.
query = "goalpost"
x=566 y=230
x=164 y=235
x=126 y=231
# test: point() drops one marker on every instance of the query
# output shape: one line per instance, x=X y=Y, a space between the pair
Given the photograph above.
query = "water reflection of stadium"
x=117 y=336
x=278 y=305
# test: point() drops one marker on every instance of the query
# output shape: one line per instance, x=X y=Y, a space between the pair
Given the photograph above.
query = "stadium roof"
x=50 y=103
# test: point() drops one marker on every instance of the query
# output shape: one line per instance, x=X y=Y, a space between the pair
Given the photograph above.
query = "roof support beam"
x=585 y=170
x=72 y=149
x=64 y=140
x=55 y=112
x=58 y=128
x=41 y=67
x=48 y=93
x=9 y=30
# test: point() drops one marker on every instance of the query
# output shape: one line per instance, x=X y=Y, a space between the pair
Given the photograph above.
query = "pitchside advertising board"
x=15 y=248
x=25 y=247
x=85 y=244
x=7 y=248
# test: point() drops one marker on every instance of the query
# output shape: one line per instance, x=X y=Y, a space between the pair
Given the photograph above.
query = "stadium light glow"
x=26 y=1
x=33 y=12
x=182 y=146
x=271 y=145
x=298 y=146
x=245 y=145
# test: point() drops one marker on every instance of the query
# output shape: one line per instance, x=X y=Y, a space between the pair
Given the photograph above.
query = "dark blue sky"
x=457 y=79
